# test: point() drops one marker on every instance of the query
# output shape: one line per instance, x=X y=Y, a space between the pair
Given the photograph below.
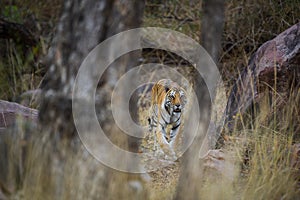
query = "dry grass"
x=20 y=65
x=59 y=170
x=51 y=172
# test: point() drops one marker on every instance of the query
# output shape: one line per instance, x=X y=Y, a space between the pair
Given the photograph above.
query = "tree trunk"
x=83 y=25
x=212 y=27
x=191 y=176
x=191 y=171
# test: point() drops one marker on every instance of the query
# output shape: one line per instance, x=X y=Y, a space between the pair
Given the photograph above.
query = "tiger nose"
x=177 y=105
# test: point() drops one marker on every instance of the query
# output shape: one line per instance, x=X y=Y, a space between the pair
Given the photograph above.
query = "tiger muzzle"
x=177 y=108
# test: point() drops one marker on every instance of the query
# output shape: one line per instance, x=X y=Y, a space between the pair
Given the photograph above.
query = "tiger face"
x=169 y=96
x=174 y=101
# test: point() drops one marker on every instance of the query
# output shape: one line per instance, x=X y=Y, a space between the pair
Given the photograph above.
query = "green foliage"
x=12 y=13
x=17 y=73
x=19 y=67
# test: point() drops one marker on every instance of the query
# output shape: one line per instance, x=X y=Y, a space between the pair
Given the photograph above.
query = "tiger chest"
x=171 y=129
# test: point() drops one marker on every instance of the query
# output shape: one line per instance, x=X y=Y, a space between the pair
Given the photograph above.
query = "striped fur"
x=167 y=104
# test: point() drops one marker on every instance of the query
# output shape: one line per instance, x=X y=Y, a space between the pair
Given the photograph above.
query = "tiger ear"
x=183 y=96
x=182 y=93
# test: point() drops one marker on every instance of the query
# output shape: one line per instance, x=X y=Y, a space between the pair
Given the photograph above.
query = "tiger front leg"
x=176 y=141
x=164 y=144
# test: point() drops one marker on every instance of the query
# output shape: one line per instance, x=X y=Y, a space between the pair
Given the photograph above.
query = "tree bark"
x=191 y=175
x=191 y=171
x=212 y=27
x=83 y=25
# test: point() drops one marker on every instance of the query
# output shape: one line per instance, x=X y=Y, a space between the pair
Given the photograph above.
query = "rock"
x=10 y=112
x=220 y=162
x=278 y=58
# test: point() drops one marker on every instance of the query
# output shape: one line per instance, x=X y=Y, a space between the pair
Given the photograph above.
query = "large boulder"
x=276 y=61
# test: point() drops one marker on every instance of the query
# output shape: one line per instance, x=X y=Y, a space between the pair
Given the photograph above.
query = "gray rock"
x=279 y=56
x=10 y=112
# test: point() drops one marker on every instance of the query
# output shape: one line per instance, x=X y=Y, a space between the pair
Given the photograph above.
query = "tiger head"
x=174 y=100
x=169 y=96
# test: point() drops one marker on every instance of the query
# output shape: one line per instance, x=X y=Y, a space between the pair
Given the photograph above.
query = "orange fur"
x=167 y=103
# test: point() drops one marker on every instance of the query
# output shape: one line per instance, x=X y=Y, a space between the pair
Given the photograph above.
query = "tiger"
x=165 y=118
